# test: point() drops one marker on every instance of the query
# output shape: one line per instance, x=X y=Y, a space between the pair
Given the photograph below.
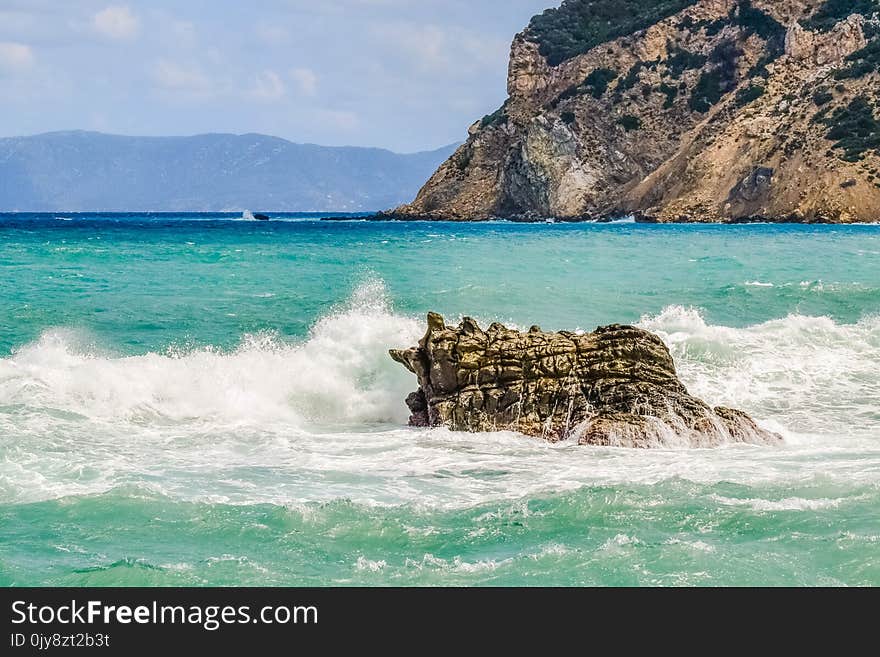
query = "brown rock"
x=820 y=49
x=560 y=149
x=616 y=387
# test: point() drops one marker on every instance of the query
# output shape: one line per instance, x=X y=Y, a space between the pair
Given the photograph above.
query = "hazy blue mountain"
x=88 y=171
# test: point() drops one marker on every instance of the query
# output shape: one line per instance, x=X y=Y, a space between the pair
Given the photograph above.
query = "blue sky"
x=402 y=74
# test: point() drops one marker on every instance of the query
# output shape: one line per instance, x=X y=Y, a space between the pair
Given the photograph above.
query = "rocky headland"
x=678 y=110
x=616 y=387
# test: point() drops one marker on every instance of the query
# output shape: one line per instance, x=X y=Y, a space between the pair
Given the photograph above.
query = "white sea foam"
x=695 y=546
x=291 y=422
x=368 y=565
x=810 y=374
x=455 y=565
x=618 y=542
x=340 y=375
x=623 y=220
x=788 y=504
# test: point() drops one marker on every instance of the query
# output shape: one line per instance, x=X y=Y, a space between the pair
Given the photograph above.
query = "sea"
x=202 y=400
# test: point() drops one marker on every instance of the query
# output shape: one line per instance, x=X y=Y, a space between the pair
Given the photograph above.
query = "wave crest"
x=340 y=374
x=810 y=374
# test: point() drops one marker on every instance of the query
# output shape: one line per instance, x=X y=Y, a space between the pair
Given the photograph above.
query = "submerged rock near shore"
x=616 y=386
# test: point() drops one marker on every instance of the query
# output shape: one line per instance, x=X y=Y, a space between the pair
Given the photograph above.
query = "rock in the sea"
x=617 y=386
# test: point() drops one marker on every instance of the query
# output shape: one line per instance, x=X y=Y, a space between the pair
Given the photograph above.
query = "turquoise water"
x=203 y=401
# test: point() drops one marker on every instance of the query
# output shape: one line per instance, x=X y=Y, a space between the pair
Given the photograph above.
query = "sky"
x=407 y=75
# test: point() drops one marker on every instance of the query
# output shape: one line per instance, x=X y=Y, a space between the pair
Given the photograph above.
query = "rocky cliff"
x=678 y=110
x=614 y=387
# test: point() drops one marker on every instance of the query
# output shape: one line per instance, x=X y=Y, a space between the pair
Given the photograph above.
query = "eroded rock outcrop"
x=826 y=48
x=616 y=387
x=662 y=108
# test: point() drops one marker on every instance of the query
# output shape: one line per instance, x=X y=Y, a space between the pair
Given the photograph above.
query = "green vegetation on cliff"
x=833 y=11
x=595 y=84
x=681 y=60
x=671 y=94
x=630 y=122
x=861 y=63
x=720 y=79
x=498 y=116
x=632 y=77
x=755 y=21
x=854 y=129
x=822 y=97
x=579 y=25
x=749 y=95
x=597 y=81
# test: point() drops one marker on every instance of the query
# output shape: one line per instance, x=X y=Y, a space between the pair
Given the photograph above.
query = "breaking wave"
x=809 y=374
x=288 y=422
x=341 y=374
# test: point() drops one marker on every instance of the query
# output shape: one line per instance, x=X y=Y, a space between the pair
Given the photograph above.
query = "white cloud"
x=15 y=57
x=269 y=87
x=117 y=23
x=177 y=77
x=306 y=79
x=427 y=46
x=188 y=66
x=439 y=49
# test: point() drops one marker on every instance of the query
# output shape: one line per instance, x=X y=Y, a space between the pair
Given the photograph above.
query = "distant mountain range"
x=89 y=171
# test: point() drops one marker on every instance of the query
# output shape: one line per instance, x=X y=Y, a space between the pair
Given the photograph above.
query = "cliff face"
x=717 y=110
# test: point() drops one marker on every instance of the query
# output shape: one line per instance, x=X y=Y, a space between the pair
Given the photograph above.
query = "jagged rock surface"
x=615 y=387
x=671 y=122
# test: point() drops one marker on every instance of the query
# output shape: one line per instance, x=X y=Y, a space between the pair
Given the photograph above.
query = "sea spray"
x=340 y=374
x=210 y=402
x=811 y=374
x=287 y=421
